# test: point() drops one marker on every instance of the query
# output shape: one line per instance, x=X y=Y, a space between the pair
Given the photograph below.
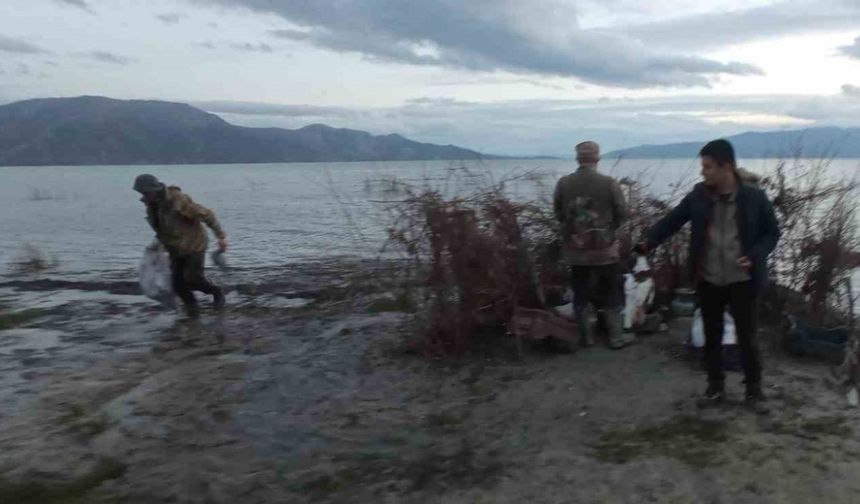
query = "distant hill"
x=101 y=131
x=808 y=143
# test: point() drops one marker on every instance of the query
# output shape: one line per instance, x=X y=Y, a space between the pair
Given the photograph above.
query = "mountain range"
x=93 y=130
x=807 y=143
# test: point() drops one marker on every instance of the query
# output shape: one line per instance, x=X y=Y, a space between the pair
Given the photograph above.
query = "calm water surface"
x=90 y=220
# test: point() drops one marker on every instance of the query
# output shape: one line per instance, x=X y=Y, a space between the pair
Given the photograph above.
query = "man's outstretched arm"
x=663 y=229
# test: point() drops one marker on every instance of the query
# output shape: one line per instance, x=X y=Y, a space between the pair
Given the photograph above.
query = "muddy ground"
x=302 y=391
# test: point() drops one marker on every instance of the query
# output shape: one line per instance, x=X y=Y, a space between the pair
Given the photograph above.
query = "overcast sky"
x=501 y=76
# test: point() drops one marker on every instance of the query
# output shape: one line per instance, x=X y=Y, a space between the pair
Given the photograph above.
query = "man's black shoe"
x=754 y=394
x=755 y=399
x=713 y=396
x=715 y=392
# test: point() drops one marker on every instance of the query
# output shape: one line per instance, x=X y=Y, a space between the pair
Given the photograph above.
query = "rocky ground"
x=302 y=392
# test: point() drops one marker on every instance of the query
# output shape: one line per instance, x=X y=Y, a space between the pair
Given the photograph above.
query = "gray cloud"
x=271 y=109
x=18 y=46
x=712 y=30
x=531 y=127
x=238 y=46
x=851 y=90
x=249 y=47
x=108 y=57
x=484 y=80
x=852 y=50
x=487 y=35
x=24 y=69
x=81 y=4
x=290 y=34
x=171 y=18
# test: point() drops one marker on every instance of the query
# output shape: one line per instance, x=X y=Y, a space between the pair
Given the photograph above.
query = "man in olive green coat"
x=590 y=207
x=178 y=224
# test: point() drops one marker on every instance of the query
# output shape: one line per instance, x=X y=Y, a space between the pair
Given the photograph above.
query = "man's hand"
x=223 y=245
x=744 y=262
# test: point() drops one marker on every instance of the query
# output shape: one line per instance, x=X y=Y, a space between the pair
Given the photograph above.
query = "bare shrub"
x=481 y=255
x=669 y=262
x=816 y=251
x=473 y=255
x=31 y=259
x=387 y=186
x=37 y=194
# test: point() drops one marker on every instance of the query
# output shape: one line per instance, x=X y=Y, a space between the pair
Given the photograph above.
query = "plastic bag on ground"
x=853 y=397
x=155 y=277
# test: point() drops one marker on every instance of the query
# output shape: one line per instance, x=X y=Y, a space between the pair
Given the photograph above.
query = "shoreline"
x=111 y=398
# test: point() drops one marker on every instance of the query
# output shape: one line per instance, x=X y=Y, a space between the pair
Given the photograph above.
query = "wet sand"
x=302 y=391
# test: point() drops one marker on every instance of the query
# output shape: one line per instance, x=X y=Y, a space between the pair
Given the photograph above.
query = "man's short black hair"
x=720 y=151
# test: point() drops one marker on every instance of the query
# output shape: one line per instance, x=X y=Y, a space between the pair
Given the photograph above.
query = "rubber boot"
x=585 y=328
x=192 y=310
x=618 y=339
x=218 y=300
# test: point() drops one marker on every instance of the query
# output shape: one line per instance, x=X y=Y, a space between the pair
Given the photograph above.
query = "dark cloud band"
x=487 y=35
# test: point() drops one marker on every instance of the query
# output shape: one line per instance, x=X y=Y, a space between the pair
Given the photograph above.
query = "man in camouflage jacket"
x=590 y=208
x=178 y=224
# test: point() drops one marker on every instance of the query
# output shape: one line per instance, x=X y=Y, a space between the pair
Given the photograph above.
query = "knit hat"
x=147 y=183
x=588 y=152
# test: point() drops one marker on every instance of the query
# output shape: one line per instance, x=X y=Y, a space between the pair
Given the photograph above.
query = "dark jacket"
x=758 y=228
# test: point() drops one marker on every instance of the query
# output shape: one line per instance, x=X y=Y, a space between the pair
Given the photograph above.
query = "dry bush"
x=39 y=195
x=31 y=259
x=473 y=257
x=481 y=255
x=669 y=260
x=816 y=254
x=478 y=256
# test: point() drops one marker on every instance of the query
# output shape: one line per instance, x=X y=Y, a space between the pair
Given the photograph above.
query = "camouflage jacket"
x=178 y=223
x=590 y=207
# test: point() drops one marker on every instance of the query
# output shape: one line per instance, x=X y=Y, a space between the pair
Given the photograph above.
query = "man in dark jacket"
x=590 y=208
x=178 y=223
x=733 y=230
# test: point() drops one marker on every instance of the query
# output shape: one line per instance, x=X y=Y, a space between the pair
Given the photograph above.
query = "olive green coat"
x=178 y=223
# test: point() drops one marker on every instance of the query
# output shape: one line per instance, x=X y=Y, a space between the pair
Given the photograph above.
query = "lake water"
x=90 y=220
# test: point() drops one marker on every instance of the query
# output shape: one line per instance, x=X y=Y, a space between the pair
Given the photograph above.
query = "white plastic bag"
x=565 y=311
x=155 y=277
x=853 y=397
x=697 y=338
x=638 y=297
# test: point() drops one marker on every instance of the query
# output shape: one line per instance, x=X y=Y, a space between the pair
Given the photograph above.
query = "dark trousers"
x=598 y=285
x=743 y=306
x=188 y=276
